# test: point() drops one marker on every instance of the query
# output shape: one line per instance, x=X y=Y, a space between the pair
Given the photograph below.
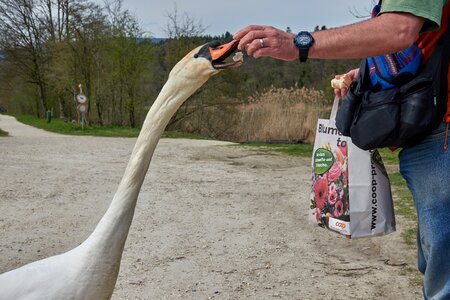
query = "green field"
x=59 y=126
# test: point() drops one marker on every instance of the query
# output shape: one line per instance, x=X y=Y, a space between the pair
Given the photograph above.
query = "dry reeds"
x=276 y=115
x=281 y=114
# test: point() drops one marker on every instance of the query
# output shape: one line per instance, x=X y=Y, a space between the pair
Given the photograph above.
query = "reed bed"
x=276 y=115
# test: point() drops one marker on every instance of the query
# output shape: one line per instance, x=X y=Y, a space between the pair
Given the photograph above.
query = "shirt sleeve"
x=430 y=10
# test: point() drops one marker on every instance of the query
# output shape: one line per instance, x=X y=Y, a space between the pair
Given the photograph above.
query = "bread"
x=341 y=83
x=238 y=56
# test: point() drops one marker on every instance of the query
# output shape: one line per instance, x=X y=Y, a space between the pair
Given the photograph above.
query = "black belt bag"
x=397 y=117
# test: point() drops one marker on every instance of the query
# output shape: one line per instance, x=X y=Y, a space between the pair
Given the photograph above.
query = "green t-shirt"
x=431 y=10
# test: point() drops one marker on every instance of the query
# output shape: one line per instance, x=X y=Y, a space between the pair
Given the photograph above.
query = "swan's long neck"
x=109 y=236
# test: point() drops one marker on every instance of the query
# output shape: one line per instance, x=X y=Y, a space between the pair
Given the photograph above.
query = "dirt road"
x=212 y=221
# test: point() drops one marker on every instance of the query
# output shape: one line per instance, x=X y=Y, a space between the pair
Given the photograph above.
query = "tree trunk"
x=62 y=110
x=131 y=109
x=42 y=95
x=99 y=112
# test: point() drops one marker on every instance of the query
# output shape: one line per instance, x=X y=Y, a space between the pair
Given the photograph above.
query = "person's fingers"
x=338 y=94
x=250 y=37
x=278 y=42
x=238 y=35
x=241 y=33
x=255 y=45
x=353 y=73
x=263 y=52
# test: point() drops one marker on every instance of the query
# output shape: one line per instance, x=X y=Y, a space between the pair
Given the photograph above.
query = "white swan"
x=90 y=270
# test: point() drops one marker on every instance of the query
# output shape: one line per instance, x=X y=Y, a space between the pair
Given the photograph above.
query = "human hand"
x=260 y=41
x=340 y=92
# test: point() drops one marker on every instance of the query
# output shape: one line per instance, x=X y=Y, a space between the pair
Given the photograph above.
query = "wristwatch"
x=303 y=40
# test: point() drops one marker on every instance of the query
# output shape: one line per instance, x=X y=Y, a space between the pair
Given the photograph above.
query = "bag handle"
x=334 y=109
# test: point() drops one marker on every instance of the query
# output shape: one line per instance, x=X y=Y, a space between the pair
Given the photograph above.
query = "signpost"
x=82 y=106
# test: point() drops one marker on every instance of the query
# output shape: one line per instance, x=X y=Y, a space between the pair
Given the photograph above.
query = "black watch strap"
x=303 y=55
x=303 y=40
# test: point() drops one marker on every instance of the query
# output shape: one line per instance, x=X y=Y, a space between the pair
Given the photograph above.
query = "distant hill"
x=150 y=40
x=157 y=40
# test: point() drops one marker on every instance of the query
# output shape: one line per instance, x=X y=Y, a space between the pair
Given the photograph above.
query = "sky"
x=232 y=15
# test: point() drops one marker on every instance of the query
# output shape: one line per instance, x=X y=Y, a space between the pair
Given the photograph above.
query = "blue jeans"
x=426 y=169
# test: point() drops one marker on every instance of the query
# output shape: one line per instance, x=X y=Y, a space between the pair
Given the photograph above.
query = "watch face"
x=303 y=40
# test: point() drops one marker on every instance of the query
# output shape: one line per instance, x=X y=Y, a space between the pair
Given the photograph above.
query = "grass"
x=59 y=126
x=3 y=133
x=404 y=206
x=403 y=200
x=389 y=157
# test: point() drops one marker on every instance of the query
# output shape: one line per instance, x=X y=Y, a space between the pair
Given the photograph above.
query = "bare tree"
x=23 y=37
x=362 y=15
x=183 y=26
x=129 y=55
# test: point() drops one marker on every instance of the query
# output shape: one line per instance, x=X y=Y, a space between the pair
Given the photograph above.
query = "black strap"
x=445 y=60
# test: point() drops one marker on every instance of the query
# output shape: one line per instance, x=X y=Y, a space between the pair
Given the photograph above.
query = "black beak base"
x=217 y=53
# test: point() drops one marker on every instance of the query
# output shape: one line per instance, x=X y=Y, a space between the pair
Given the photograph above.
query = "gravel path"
x=212 y=221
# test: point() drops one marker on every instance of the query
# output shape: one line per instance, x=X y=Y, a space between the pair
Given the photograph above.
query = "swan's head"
x=205 y=61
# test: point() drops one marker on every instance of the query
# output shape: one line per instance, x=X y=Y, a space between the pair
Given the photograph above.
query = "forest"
x=48 y=48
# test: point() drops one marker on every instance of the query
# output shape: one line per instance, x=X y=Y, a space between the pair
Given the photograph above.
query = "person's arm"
x=387 y=33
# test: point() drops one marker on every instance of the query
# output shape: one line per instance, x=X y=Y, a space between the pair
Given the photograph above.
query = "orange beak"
x=217 y=54
x=221 y=52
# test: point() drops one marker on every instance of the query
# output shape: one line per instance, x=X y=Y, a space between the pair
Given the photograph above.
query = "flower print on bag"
x=340 y=155
x=332 y=188
x=332 y=193
x=343 y=150
x=320 y=192
x=335 y=172
x=318 y=216
x=332 y=198
x=329 y=197
x=338 y=209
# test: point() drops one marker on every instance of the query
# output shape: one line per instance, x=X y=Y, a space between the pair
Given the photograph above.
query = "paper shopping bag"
x=351 y=191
